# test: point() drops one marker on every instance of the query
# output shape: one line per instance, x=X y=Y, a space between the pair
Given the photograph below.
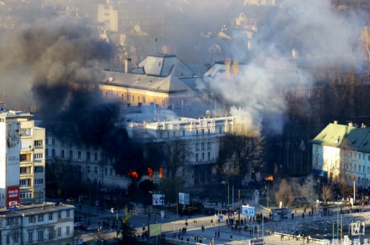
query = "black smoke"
x=60 y=61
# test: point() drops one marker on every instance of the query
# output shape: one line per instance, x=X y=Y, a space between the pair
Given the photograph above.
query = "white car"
x=92 y=228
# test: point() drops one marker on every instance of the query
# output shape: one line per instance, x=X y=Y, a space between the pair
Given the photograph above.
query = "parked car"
x=79 y=241
x=92 y=228
x=81 y=225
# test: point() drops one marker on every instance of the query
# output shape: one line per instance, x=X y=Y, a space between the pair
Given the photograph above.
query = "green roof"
x=335 y=134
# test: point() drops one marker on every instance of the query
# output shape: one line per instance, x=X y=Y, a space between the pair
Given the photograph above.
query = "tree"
x=144 y=188
x=326 y=193
x=244 y=145
x=127 y=232
x=174 y=153
x=284 y=194
x=365 y=41
x=171 y=188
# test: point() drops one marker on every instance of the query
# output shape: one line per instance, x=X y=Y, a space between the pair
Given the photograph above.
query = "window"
x=71 y=154
x=79 y=154
x=88 y=169
x=30 y=237
x=59 y=232
x=197 y=132
x=24 y=182
x=67 y=213
x=23 y=170
x=202 y=131
x=202 y=156
x=197 y=157
x=7 y=240
x=53 y=141
x=208 y=145
x=138 y=99
x=39 y=181
x=59 y=214
x=23 y=157
x=197 y=146
x=128 y=97
x=88 y=156
x=53 y=152
x=96 y=170
x=40 y=218
x=111 y=171
x=31 y=219
x=38 y=156
x=203 y=146
x=133 y=98
x=40 y=236
x=16 y=237
x=51 y=234
x=62 y=153
x=39 y=169
x=50 y=216
x=209 y=156
x=96 y=156
x=143 y=99
x=67 y=230
x=47 y=152
x=220 y=130
x=25 y=194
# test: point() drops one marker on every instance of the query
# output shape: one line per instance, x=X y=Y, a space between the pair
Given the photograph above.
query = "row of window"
x=28 y=182
x=197 y=132
x=203 y=158
x=111 y=172
x=70 y=156
x=132 y=98
x=38 y=217
x=203 y=146
x=28 y=170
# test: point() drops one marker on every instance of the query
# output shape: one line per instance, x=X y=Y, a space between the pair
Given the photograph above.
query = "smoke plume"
x=258 y=91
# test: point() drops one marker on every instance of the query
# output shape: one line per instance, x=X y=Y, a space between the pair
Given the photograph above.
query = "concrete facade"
x=38 y=224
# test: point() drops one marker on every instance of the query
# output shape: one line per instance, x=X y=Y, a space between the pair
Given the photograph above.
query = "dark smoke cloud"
x=59 y=62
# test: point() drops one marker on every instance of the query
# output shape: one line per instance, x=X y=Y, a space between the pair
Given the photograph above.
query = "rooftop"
x=34 y=209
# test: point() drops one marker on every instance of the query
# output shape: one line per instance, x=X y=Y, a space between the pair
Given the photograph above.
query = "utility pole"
x=239 y=205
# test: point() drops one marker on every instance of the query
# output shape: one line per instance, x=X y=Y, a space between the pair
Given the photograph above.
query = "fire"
x=150 y=173
x=133 y=174
x=161 y=172
x=271 y=178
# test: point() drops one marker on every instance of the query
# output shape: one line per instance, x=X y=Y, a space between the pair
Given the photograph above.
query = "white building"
x=343 y=148
x=202 y=135
x=38 y=224
x=22 y=162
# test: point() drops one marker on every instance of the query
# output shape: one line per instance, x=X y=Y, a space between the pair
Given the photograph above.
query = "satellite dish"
x=208 y=112
x=110 y=79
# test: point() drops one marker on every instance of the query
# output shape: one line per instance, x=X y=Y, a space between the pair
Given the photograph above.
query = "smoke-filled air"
x=258 y=90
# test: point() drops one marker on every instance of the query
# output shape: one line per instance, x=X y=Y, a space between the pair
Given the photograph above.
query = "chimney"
x=350 y=124
x=335 y=122
x=294 y=54
x=128 y=65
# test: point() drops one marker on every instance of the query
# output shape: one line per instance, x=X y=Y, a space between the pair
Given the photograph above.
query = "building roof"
x=162 y=64
x=35 y=209
x=168 y=84
x=336 y=135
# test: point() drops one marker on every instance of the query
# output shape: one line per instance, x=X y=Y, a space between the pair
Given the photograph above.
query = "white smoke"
x=260 y=88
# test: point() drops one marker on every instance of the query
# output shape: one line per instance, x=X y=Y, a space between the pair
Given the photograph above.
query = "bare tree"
x=365 y=41
x=284 y=194
x=342 y=172
x=244 y=145
x=326 y=193
x=174 y=153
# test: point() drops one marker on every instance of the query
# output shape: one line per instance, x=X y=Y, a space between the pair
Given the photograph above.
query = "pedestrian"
x=80 y=206
x=215 y=234
x=292 y=216
x=231 y=237
x=302 y=215
x=281 y=237
x=218 y=234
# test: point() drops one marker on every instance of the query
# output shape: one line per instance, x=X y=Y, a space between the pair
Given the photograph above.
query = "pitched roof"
x=169 y=84
x=162 y=64
x=335 y=134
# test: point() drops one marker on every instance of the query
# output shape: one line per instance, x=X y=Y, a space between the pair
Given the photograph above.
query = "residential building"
x=45 y=223
x=23 y=168
x=343 y=150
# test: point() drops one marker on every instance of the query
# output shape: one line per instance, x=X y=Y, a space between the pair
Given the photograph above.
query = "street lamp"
x=228 y=198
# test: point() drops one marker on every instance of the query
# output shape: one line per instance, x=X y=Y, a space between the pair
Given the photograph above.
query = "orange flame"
x=161 y=172
x=133 y=174
x=271 y=178
x=150 y=173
